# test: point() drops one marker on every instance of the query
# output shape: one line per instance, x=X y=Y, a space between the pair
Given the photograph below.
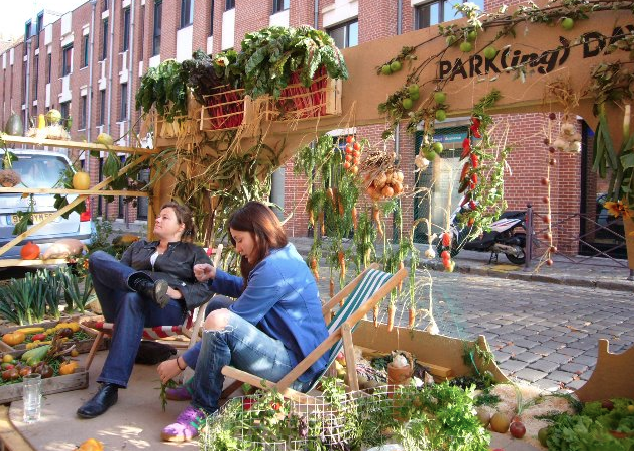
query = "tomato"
x=356 y=146
x=349 y=139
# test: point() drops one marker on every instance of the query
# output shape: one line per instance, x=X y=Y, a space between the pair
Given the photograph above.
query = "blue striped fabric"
x=370 y=283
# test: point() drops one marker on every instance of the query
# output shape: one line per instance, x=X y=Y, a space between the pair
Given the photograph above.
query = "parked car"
x=40 y=169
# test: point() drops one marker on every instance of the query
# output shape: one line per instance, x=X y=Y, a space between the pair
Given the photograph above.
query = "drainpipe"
x=130 y=69
x=316 y=14
x=27 y=82
x=90 y=74
x=399 y=17
x=109 y=83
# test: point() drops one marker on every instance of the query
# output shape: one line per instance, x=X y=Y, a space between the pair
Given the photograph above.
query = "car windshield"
x=39 y=171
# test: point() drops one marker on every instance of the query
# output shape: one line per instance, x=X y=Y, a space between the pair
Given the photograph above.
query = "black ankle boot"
x=105 y=398
x=149 y=289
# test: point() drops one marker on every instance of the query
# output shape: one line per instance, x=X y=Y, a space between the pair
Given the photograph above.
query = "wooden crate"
x=297 y=102
x=224 y=110
x=82 y=346
x=57 y=384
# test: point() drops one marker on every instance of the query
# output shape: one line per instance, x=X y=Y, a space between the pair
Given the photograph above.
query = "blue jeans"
x=129 y=312
x=242 y=346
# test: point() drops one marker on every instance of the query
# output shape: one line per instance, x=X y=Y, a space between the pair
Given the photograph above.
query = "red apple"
x=517 y=429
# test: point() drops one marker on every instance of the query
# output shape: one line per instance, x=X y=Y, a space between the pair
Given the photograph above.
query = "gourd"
x=14 y=338
x=81 y=180
x=14 y=125
x=30 y=251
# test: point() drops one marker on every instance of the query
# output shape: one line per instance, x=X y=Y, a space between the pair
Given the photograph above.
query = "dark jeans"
x=129 y=312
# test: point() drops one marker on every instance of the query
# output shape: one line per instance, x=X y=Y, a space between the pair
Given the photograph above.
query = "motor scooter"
x=507 y=236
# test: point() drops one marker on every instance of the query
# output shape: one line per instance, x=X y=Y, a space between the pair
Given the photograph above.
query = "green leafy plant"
x=76 y=294
x=164 y=87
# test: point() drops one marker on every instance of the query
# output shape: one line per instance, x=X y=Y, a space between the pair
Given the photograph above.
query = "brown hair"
x=263 y=225
x=184 y=216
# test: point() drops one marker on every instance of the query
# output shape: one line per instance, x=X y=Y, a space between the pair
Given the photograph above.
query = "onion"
x=380 y=180
x=387 y=191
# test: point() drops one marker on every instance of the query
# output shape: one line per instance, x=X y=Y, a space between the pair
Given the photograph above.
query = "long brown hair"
x=184 y=216
x=263 y=225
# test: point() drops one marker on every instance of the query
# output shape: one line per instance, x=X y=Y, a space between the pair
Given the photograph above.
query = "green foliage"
x=61 y=200
x=165 y=88
x=582 y=433
x=27 y=300
x=271 y=55
x=76 y=294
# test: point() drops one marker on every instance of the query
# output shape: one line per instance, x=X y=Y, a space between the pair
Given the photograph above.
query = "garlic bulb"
x=430 y=252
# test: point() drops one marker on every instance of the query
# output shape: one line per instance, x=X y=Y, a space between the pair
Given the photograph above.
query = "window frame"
x=187 y=13
x=230 y=4
x=123 y=112
x=105 y=25
x=281 y=5
x=64 y=107
x=125 y=23
x=85 y=57
x=156 y=35
x=36 y=75
x=442 y=6
x=211 y=18
x=67 y=57
x=102 y=107
x=83 y=113
x=49 y=62
x=346 y=27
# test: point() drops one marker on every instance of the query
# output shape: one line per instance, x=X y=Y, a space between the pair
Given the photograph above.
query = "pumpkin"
x=14 y=125
x=91 y=445
x=81 y=180
x=68 y=367
x=30 y=251
x=14 y=338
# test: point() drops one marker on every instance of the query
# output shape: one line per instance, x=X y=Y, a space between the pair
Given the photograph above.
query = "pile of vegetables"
x=382 y=178
x=47 y=360
x=33 y=337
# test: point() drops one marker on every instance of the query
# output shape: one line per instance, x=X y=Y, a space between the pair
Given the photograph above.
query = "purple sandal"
x=188 y=425
x=179 y=393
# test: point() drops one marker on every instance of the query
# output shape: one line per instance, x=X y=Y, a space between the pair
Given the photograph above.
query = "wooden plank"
x=10 y=437
x=75 y=145
x=120 y=192
x=11 y=262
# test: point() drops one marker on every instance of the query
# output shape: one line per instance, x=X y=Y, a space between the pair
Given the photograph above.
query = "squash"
x=14 y=125
x=41 y=122
x=30 y=251
x=68 y=367
x=14 y=338
x=81 y=180
x=91 y=445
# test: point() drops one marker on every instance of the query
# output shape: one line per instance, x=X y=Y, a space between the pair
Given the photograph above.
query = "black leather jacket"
x=175 y=265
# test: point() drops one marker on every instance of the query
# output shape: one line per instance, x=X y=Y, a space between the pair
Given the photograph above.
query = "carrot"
x=355 y=219
x=321 y=221
x=340 y=204
x=375 y=315
x=401 y=265
x=314 y=267
x=412 y=317
x=377 y=219
x=332 y=287
x=391 y=312
x=331 y=195
x=342 y=263
x=311 y=217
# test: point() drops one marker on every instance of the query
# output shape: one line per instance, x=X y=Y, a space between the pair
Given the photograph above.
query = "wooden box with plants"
x=55 y=362
x=73 y=334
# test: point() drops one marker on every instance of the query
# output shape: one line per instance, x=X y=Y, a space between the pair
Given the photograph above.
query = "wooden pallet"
x=224 y=110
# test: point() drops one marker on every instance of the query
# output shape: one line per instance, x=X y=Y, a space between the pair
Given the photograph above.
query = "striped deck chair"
x=360 y=295
x=189 y=329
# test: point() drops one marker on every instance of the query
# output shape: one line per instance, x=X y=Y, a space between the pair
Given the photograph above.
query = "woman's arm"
x=227 y=284
x=264 y=289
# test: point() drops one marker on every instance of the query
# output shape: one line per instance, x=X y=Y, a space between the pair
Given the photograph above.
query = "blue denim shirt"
x=282 y=300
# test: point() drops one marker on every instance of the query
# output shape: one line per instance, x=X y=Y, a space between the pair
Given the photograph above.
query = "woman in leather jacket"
x=152 y=285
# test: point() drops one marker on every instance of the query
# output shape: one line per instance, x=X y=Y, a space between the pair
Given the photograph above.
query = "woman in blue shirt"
x=275 y=322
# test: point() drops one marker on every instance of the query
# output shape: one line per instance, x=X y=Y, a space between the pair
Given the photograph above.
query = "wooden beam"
x=11 y=262
x=10 y=437
x=120 y=192
x=74 y=145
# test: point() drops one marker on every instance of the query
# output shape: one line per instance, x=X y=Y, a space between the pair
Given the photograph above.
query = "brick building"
x=88 y=63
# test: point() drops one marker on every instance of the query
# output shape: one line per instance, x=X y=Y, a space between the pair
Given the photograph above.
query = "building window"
x=187 y=13
x=36 y=75
x=230 y=4
x=85 y=51
x=64 y=110
x=281 y=5
x=27 y=31
x=48 y=68
x=435 y=12
x=104 y=40
x=156 y=30
x=102 y=107
x=211 y=18
x=142 y=32
x=126 y=30
x=346 y=34
x=83 y=112
x=105 y=5
x=123 y=114
x=67 y=60
x=39 y=23
x=24 y=85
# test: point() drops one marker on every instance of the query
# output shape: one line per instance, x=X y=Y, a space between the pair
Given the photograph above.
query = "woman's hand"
x=169 y=369
x=204 y=272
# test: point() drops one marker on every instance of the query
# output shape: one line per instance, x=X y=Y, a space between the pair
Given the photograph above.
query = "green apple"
x=567 y=23
x=386 y=69
x=440 y=116
x=490 y=52
x=413 y=88
x=408 y=103
x=414 y=96
x=466 y=46
x=437 y=147
x=440 y=97
x=472 y=35
x=429 y=154
x=395 y=66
